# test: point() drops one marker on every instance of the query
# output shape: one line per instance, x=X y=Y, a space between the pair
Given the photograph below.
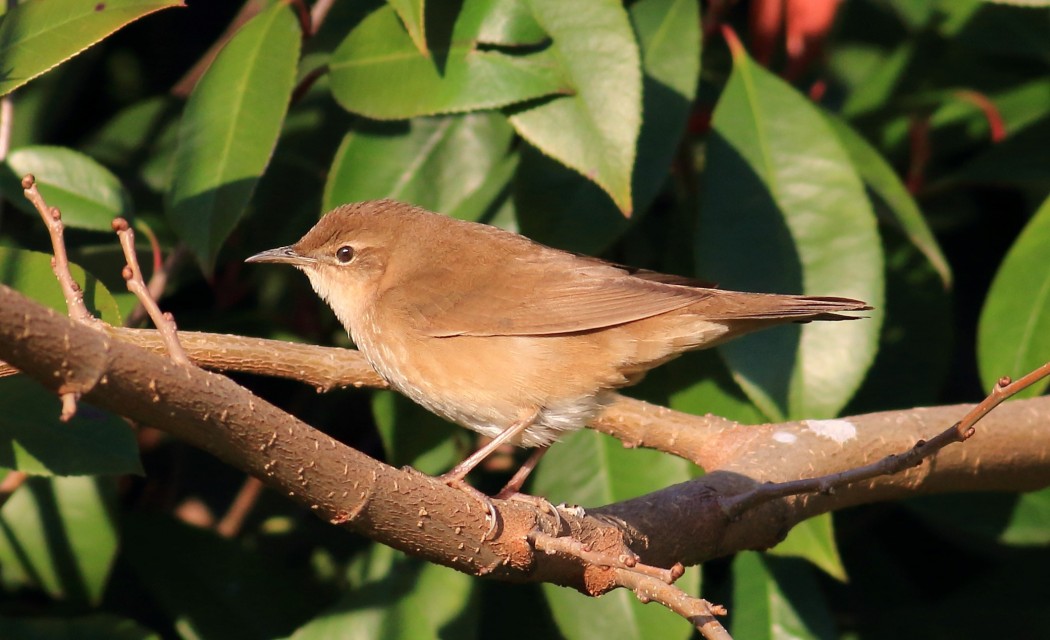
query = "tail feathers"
x=732 y=305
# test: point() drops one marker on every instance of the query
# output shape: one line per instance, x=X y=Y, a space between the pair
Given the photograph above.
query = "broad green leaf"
x=100 y=626
x=229 y=130
x=814 y=540
x=86 y=193
x=140 y=139
x=509 y=23
x=36 y=36
x=399 y=597
x=378 y=72
x=411 y=14
x=562 y=208
x=777 y=600
x=698 y=383
x=1013 y=335
x=214 y=587
x=783 y=211
x=875 y=91
x=436 y=162
x=592 y=469
x=595 y=130
x=58 y=535
x=413 y=436
x=901 y=207
x=32 y=438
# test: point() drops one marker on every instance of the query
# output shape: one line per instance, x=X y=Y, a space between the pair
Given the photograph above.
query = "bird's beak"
x=285 y=255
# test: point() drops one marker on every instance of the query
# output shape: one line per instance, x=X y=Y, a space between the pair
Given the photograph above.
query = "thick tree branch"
x=682 y=523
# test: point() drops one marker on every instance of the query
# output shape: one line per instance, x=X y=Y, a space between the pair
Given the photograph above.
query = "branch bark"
x=684 y=523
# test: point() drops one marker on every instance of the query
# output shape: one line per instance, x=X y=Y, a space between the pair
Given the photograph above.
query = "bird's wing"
x=527 y=296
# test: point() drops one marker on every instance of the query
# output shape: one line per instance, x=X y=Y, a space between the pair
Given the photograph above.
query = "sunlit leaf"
x=379 y=72
x=1013 y=335
x=595 y=130
x=229 y=129
x=783 y=211
x=37 y=36
x=59 y=535
x=88 y=195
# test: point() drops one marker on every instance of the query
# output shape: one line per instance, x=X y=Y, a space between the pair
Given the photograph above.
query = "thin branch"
x=891 y=464
x=52 y=218
x=699 y=612
x=164 y=322
x=11 y=482
x=318 y=13
x=230 y=524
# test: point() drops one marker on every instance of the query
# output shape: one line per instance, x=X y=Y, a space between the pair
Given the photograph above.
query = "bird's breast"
x=486 y=383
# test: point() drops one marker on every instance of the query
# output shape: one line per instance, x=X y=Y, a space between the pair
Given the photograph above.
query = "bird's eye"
x=344 y=253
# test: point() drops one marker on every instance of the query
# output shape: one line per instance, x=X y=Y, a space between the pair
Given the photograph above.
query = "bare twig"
x=318 y=13
x=231 y=523
x=52 y=218
x=133 y=276
x=892 y=464
x=577 y=549
x=699 y=612
x=10 y=483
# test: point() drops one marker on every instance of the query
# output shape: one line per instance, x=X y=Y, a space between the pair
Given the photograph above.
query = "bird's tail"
x=736 y=305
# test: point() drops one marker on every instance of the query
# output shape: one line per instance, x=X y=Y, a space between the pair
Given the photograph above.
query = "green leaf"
x=776 y=599
x=562 y=208
x=378 y=72
x=32 y=438
x=399 y=597
x=58 y=534
x=229 y=130
x=214 y=587
x=783 y=211
x=698 y=383
x=86 y=193
x=880 y=177
x=595 y=130
x=510 y=23
x=413 y=436
x=140 y=140
x=101 y=626
x=592 y=469
x=411 y=13
x=1013 y=335
x=437 y=163
x=36 y=36
x=814 y=540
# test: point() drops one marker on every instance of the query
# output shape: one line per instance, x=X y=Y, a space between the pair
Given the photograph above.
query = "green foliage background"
x=593 y=126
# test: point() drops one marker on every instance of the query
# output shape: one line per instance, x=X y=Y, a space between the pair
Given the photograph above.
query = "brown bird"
x=508 y=337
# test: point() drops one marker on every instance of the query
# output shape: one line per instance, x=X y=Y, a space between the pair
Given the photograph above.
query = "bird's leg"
x=455 y=476
x=460 y=471
x=515 y=484
x=512 y=490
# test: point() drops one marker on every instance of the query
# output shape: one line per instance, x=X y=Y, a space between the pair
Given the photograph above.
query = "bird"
x=513 y=339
